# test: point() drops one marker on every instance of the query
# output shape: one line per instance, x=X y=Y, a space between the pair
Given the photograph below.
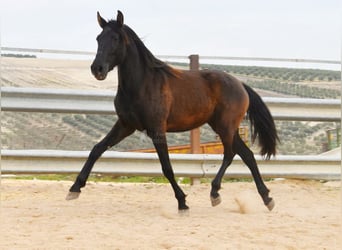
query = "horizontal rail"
x=236 y=58
x=185 y=165
x=265 y=59
x=57 y=100
x=48 y=51
x=304 y=109
x=101 y=102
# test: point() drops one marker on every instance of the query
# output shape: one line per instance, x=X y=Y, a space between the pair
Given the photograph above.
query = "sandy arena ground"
x=35 y=215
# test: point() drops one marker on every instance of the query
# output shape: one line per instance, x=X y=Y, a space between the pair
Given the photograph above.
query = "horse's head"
x=111 y=49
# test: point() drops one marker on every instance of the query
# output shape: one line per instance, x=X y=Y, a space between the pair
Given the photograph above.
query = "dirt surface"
x=35 y=215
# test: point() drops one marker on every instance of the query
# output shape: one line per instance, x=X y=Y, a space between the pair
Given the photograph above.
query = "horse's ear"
x=101 y=21
x=120 y=18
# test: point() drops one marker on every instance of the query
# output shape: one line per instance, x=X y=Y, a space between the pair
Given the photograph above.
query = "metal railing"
x=101 y=102
x=185 y=165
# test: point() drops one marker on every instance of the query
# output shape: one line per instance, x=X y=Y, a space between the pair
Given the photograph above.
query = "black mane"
x=148 y=58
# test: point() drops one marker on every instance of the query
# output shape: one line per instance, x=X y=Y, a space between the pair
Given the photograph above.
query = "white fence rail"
x=57 y=100
x=101 y=102
x=185 y=165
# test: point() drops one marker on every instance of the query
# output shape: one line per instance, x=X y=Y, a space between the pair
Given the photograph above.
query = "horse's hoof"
x=270 y=205
x=215 y=201
x=183 y=206
x=72 y=196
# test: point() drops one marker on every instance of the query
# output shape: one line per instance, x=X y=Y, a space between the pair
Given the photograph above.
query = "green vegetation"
x=100 y=178
x=284 y=74
x=122 y=179
x=303 y=137
x=295 y=89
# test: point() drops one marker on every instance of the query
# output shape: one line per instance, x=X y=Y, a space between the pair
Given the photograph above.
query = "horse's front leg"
x=117 y=133
x=159 y=141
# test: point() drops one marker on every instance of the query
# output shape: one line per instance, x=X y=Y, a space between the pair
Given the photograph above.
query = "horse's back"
x=220 y=87
x=211 y=83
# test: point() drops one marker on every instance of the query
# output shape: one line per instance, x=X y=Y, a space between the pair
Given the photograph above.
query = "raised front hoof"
x=72 y=196
x=182 y=207
x=215 y=200
x=270 y=205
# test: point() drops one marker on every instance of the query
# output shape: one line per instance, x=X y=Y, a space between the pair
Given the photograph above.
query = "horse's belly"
x=184 y=122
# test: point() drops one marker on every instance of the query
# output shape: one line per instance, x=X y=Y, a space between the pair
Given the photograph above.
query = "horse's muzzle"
x=99 y=71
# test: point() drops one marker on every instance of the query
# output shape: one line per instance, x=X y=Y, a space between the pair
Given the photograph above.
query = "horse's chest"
x=129 y=113
x=144 y=111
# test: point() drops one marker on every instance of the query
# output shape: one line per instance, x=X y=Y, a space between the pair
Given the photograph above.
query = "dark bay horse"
x=157 y=98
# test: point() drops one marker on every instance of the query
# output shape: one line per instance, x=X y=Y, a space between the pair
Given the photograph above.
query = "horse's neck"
x=131 y=74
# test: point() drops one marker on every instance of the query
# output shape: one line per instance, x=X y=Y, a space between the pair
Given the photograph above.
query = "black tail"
x=262 y=123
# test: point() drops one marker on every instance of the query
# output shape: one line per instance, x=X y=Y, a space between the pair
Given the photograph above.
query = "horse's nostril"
x=97 y=69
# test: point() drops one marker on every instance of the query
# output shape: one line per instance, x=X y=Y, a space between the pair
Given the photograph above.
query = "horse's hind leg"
x=248 y=157
x=216 y=183
x=117 y=133
x=226 y=139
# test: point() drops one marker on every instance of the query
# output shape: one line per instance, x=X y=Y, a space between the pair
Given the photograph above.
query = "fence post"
x=195 y=133
x=195 y=141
